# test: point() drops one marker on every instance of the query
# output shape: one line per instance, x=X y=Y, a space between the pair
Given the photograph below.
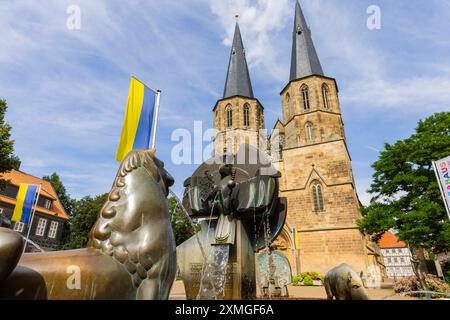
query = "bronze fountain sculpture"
x=235 y=198
x=131 y=250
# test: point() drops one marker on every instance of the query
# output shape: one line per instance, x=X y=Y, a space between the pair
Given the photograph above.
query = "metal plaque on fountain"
x=274 y=273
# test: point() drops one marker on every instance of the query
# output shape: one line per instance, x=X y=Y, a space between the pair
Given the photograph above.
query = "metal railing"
x=423 y=294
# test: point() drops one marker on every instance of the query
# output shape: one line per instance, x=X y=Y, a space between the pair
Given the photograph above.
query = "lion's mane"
x=123 y=224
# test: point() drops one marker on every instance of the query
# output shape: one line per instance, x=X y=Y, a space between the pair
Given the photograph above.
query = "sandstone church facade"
x=309 y=149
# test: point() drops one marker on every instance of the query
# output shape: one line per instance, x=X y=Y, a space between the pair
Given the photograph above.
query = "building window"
x=229 y=116
x=246 y=115
x=325 y=96
x=40 y=229
x=309 y=132
x=389 y=260
x=317 y=197
x=48 y=204
x=305 y=96
x=229 y=145
x=18 y=226
x=53 y=229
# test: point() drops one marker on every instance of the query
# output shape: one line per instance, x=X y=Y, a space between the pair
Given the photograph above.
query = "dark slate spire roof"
x=304 y=61
x=238 y=79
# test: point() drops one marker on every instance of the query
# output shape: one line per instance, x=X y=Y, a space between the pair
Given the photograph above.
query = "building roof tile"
x=389 y=240
x=16 y=177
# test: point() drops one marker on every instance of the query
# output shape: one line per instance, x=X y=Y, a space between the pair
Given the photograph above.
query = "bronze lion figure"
x=131 y=250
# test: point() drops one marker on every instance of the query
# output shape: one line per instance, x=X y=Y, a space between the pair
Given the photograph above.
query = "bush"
x=306 y=278
x=314 y=276
x=433 y=283
x=406 y=284
x=446 y=270
x=411 y=283
x=308 y=281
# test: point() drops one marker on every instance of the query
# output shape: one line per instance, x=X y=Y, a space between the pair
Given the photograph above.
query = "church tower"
x=317 y=177
x=238 y=116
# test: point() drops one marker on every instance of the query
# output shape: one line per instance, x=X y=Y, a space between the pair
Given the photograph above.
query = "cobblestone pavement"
x=299 y=292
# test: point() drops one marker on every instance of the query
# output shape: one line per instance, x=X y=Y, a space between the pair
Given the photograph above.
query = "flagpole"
x=155 y=122
x=32 y=216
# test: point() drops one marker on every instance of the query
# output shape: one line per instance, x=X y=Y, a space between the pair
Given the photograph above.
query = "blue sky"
x=67 y=89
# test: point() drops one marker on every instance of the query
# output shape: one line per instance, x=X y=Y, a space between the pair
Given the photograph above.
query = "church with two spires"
x=309 y=149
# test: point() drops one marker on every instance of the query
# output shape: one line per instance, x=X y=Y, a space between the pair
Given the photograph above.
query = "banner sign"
x=442 y=170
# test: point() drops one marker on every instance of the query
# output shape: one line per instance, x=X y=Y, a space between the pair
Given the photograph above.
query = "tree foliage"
x=406 y=195
x=66 y=201
x=84 y=216
x=8 y=160
x=181 y=226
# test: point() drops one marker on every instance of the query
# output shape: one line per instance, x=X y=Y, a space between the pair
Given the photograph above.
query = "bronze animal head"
x=136 y=208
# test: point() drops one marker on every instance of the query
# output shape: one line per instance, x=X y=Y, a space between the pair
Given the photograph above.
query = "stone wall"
x=238 y=133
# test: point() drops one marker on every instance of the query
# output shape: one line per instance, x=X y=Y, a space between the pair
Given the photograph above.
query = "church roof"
x=238 y=78
x=304 y=59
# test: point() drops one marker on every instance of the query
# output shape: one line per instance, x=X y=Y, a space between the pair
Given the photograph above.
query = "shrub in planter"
x=433 y=283
x=411 y=283
x=308 y=281
x=314 y=276
x=322 y=278
x=407 y=284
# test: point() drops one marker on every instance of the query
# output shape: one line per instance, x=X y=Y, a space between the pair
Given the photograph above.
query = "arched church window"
x=246 y=115
x=305 y=96
x=229 y=116
x=317 y=197
x=325 y=96
x=288 y=98
x=309 y=132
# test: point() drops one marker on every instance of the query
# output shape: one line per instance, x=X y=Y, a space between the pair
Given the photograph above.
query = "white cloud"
x=371 y=67
x=67 y=89
x=345 y=47
x=261 y=22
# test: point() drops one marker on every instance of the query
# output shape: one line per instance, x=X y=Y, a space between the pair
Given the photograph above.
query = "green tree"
x=84 y=215
x=405 y=191
x=181 y=225
x=8 y=160
x=66 y=201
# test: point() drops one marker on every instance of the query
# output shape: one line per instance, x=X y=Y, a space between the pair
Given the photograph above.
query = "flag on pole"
x=442 y=170
x=295 y=239
x=137 y=125
x=24 y=203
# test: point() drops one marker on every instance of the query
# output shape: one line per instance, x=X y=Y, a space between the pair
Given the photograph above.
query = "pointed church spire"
x=304 y=61
x=238 y=79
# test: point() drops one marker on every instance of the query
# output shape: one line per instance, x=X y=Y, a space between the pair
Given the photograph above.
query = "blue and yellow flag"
x=24 y=203
x=137 y=125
